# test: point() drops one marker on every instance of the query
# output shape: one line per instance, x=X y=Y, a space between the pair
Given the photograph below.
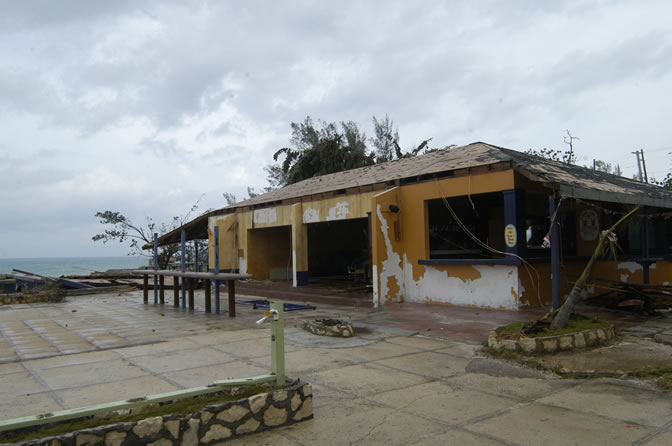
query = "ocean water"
x=68 y=266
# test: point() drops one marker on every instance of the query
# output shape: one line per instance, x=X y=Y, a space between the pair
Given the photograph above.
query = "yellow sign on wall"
x=510 y=235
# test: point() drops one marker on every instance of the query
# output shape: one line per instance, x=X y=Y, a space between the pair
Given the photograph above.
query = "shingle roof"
x=569 y=180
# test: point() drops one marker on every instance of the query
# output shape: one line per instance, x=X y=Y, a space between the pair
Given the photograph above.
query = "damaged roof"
x=569 y=181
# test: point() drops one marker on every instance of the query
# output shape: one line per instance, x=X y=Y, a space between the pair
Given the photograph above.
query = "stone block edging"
x=551 y=344
x=329 y=327
x=20 y=298
x=211 y=425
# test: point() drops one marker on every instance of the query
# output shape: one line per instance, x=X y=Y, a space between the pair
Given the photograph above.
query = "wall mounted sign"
x=589 y=224
x=510 y=236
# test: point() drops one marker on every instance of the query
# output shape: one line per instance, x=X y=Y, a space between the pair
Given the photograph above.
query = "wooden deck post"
x=145 y=288
x=231 y=286
x=190 y=284
x=162 y=290
x=208 y=303
x=176 y=291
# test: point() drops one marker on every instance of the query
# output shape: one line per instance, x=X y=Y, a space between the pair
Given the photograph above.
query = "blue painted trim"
x=156 y=268
x=556 y=243
x=504 y=261
x=183 y=266
x=510 y=218
x=216 y=268
x=301 y=278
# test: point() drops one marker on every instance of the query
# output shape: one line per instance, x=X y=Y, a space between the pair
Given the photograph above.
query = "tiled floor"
x=412 y=375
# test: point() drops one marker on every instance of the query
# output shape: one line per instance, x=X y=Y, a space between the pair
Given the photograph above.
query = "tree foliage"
x=603 y=166
x=120 y=228
x=320 y=149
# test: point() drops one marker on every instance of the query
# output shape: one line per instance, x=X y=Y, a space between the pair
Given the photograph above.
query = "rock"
x=148 y=427
x=565 y=342
x=579 y=340
x=510 y=344
x=216 y=432
x=280 y=395
x=528 y=345
x=601 y=335
x=591 y=338
x=190 y=437
x=550 y=345
x=305 y=411
x=307 y=390
x=250 y=425
x=274 y=416
x=257 y=402
x=232 y=414
x=173 y=426
x=206 y=416
x=161 y=442
x=87 y=439
x=114 y=438
x=295 y=402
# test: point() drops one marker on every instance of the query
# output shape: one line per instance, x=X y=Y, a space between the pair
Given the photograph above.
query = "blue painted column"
x=216 y=269
x=511 y=229
x=183 y=266
x=556 y=241
x=156 y=268
x=196 y=255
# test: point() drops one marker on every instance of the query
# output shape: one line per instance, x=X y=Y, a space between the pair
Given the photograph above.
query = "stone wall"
x=551 y=344
x=20 y=298
x=211 y=425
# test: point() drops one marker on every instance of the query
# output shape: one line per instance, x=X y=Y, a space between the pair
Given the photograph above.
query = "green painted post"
x=278 y=343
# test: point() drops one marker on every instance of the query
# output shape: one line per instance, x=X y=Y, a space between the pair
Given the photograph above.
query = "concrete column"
x=299 y=246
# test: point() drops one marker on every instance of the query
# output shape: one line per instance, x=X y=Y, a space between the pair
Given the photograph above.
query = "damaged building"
x=476 y=225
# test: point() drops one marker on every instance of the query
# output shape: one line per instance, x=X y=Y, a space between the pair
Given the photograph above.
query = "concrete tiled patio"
x=388 y=385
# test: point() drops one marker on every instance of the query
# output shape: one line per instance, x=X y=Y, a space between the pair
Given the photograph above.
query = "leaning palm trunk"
x=561 y=319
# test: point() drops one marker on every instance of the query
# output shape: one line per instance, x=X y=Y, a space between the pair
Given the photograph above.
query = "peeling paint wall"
x=266 y=216
x=339 y=212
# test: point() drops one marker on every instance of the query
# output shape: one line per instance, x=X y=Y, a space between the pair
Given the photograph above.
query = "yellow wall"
x=396 y=254
x=537 y=291
x=269 y=252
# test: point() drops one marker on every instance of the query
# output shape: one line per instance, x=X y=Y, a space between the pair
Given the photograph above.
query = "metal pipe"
x=216 y=269
x=183 y=265
x=156 y=267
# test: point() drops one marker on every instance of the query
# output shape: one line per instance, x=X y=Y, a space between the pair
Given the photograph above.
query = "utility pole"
x=639 y=165
x=646 y=177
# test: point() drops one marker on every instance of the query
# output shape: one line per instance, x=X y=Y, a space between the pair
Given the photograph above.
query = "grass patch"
x=515 y=329
x=663 y=376
x=179 y=408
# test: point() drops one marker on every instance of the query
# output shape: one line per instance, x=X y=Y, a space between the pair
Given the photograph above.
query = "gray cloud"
x=101 y=103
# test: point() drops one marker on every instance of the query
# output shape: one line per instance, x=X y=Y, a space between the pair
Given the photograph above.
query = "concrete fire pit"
x=330 y=327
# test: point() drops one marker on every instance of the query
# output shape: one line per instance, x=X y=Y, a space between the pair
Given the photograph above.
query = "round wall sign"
x=510 y=236
x=589 y=223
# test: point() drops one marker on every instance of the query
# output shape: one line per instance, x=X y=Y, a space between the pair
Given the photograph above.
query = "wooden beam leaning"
x=176 y=291
x=231 y=287
x=145 y=288
x=229 y=277
x=162 y=290
x=208 y=300
x=190 y=285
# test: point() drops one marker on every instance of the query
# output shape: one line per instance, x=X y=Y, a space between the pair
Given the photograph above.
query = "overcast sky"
x=143 y=106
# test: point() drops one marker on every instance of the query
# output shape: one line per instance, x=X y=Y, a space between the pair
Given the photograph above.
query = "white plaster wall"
x=494 y=289
x=498 y=286
x=311 y=215
x=265 y=216
x=213 y=220
x=338 y=212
